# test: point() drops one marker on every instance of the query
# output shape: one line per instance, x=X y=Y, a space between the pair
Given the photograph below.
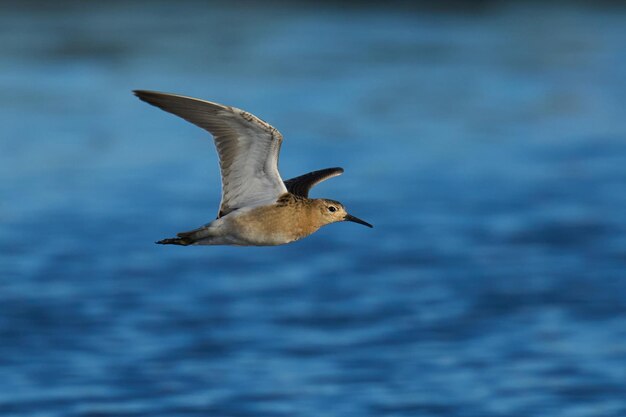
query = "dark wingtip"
x=334 y=170
x=144 y=94
x=302 y=184
x=148 y=96
x=141 y=95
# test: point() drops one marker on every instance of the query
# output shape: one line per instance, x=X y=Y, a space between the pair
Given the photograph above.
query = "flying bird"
x=257 y=208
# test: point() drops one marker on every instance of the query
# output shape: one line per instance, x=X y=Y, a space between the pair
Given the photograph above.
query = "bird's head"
x=332 y=211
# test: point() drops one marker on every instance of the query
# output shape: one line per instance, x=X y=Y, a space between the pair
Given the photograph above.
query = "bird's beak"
x=351 y=218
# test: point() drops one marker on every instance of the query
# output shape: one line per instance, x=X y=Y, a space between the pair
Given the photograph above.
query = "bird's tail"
x=199 y=236
x=183 y=241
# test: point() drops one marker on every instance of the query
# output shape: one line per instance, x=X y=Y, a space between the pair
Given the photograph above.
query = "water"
x=487 y=145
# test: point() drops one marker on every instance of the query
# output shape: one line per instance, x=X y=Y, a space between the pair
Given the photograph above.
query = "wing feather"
x=302 y=184
x=248 y=148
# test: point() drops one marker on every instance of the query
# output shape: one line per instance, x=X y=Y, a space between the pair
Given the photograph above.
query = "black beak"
x=351 y=218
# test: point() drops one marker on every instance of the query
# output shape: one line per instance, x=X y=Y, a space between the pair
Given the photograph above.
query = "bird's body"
x=289 y=219
x=258 y=208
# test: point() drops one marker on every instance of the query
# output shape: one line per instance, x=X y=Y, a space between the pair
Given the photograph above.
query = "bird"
x=257 y=207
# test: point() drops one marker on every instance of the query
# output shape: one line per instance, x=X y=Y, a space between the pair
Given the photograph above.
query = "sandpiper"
x=258 y=208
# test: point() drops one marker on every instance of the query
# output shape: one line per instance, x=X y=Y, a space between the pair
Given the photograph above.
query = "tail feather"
x=188 y=238
x=183 y=241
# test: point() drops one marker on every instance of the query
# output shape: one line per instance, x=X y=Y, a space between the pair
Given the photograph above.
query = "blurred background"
x=486 y=141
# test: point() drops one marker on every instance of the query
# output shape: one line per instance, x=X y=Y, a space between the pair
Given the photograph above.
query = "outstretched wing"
x=247 y=147
x=302 y=184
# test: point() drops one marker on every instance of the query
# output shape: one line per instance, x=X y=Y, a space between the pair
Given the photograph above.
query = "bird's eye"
x=332 y=209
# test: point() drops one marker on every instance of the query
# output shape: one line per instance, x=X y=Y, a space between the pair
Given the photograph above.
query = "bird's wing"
x=247 y=147
x=302 y=184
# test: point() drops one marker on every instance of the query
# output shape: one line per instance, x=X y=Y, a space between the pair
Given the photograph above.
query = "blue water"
x=486 y=143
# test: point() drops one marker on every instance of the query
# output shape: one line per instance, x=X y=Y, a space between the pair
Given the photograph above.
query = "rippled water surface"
x=487 y=145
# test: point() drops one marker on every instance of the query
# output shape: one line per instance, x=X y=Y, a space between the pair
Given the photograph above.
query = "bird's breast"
x=274 y=224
